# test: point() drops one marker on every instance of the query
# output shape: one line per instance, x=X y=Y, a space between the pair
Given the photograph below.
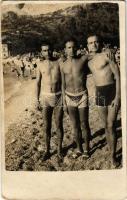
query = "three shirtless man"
x=63 y=83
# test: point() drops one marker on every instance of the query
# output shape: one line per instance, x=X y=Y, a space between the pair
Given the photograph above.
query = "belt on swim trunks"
x=76 y=94
x=76 y=97
x=51 y=94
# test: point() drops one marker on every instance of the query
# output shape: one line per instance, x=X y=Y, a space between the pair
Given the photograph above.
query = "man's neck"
x=93 y=53
x=70 y=57
x=47 y=59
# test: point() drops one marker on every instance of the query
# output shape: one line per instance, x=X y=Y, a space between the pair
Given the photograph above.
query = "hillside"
x=26 y=33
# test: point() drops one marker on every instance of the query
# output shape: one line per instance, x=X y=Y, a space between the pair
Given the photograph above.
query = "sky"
x=35 y=9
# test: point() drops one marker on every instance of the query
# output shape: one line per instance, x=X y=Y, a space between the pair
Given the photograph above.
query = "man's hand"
x=37 y=105
x=66 y=109
x=110 y=54
x=116 y=103
x=65 y=105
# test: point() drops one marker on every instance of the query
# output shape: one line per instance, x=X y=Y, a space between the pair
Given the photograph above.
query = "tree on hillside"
x=28 y=32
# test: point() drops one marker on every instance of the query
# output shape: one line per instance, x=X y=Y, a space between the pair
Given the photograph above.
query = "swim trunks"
x=51 y=99
x=105 y=94
x=79 y=100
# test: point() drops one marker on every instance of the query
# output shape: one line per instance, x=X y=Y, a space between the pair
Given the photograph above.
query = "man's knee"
x=47 y=126
x=59 y=127
x=110 y=124
x=105 y=124
x=84 y=125
x=75 y=129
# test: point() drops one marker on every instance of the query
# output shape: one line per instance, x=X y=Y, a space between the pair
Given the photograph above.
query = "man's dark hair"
x=45 y=44
x=71 y=39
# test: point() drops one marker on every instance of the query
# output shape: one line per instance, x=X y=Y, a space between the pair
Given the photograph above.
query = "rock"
x=27 y=155
x=27 y=167
x=26 y=127
x=19 y=151
x=36 y=156
x=40 y=148
x=38 y=117
x=98 y=165
x=32 y=113
x=40 y=136
x=35 y=131
x=41 y=124
x=26 y=109
x=34 y=122
x=91 y=168
x=12 y=141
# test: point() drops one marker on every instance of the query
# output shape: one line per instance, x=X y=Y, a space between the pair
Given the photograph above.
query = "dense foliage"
x=25 y=33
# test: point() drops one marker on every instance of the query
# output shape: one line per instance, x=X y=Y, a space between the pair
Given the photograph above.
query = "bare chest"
x=98 y=63
x=73 y=67
x=48 y=68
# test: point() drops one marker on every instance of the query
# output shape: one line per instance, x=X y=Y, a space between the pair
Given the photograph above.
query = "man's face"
x=93 y=44
x=70 y=49
x=18 y=57
x=45 y=51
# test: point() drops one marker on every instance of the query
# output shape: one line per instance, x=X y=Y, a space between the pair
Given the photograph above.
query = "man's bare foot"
x=85 y=155
x=76 y=154
x=60 y=157
x=46 y=156
x=115 y=163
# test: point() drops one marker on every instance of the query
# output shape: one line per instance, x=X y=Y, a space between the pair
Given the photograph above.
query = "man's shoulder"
x=62 y=62
x=40 y=64
x=85 y=57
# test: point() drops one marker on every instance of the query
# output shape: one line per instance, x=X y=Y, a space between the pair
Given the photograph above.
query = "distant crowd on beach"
x=25 y=65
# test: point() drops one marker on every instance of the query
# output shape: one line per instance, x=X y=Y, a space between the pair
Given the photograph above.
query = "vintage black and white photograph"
x=62 y=94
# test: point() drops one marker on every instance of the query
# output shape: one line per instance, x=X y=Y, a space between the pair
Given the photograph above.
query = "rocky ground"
x=24 y=143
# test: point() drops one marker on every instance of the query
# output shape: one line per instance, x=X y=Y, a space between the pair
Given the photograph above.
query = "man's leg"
x=103 y=113
x=58 y=114
x=112 y=114
x=47 y=117
x=74 y=117
x=84 y=116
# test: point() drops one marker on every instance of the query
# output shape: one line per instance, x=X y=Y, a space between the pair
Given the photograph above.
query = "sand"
x=25 y=137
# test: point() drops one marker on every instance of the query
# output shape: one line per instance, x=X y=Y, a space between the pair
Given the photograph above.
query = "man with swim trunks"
x=49 y=94
x=107 y=80
x=75 y=95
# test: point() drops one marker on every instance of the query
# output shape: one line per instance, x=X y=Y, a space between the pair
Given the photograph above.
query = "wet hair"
x=47 y=44
x=71 y=39
x=94 y=35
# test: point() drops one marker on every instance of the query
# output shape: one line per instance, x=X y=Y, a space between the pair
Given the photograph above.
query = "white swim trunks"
x=51 y=99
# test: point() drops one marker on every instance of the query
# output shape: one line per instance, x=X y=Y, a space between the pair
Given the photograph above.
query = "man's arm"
x=62 y=81
x=38 y=86
x=115 y=71
x=63 y=88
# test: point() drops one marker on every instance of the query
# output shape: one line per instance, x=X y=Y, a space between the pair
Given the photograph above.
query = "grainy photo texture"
x=61 y=68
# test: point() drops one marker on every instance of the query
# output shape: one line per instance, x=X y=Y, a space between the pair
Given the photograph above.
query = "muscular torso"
x=101 y=70
x=74 y=74
x=51 y=77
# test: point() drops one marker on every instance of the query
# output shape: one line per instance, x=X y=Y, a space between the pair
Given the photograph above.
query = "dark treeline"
x=25 y=33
